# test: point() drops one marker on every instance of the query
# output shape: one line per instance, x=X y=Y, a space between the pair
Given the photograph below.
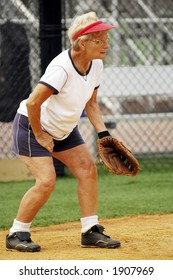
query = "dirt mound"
x=143 y=238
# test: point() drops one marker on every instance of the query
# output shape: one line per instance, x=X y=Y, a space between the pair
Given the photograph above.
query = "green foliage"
x=150 y=192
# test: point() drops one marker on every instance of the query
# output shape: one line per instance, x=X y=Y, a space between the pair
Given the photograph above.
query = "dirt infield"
x=143 y=238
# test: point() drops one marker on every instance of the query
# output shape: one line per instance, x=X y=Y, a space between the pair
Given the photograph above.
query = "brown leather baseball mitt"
x=116 y=157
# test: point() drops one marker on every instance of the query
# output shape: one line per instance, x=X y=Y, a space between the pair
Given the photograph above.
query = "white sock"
x=88 y=222
x=19 y=226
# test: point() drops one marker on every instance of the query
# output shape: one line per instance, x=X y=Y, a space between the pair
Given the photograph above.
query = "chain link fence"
x=19 y=62
x=136 y=93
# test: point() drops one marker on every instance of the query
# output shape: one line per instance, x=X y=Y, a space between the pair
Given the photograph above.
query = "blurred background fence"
x=136 y=93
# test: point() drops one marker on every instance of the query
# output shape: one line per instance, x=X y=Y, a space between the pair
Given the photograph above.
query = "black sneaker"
x=95 y=237
x=21 y=241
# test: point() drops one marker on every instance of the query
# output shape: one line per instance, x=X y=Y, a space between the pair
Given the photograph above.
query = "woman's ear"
x=82 y=44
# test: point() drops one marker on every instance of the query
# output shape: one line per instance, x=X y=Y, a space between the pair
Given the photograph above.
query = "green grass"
x=150 y=192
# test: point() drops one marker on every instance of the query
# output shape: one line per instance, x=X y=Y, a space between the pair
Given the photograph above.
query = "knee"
x=88 y=170
x=46 y=185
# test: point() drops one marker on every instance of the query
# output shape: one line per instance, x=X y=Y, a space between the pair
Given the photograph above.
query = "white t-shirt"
x=61 y=112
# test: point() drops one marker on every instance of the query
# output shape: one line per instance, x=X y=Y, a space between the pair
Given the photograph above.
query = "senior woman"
x=45 y=126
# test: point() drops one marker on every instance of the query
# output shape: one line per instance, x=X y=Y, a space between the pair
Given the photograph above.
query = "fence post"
x=50 y=30
x=50 y=43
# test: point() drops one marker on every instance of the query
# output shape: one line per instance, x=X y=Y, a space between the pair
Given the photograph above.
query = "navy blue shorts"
x=24 y=142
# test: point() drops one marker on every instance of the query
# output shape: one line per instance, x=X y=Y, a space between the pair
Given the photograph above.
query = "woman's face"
x=97 y=46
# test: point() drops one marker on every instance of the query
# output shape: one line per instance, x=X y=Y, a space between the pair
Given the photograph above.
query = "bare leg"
x=43 y=170
x=81 y=164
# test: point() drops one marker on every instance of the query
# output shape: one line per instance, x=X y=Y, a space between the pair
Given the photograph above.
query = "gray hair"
x=79 y=23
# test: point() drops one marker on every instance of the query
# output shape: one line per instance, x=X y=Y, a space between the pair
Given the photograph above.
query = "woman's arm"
x=33 y=104
x=94 y=114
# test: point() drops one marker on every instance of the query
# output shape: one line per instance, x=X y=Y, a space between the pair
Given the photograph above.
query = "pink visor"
x=93 y=27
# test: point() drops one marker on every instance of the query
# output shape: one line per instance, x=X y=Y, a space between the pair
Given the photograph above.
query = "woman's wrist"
x=103 y=134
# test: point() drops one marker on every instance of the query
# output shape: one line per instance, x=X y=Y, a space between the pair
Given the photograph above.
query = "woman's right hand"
x=46 y=140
